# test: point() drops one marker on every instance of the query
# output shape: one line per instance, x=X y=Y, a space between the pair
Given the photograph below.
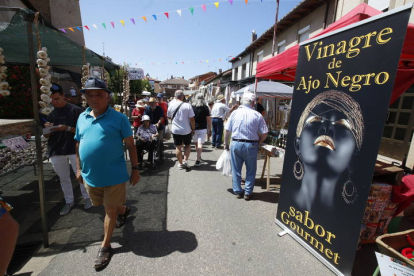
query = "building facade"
x=196 y=81
x=171 y=85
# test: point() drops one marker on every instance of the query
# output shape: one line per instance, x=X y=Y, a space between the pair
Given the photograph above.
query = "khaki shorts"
x=109 y=196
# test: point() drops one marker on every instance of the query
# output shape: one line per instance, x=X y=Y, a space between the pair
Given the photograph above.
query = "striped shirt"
x=246 y=124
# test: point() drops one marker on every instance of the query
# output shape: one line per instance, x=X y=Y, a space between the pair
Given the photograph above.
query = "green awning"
x=61 y=50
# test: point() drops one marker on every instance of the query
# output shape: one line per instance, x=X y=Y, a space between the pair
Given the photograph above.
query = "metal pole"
x=275 y=28
x=120 y=93
x=38 y=133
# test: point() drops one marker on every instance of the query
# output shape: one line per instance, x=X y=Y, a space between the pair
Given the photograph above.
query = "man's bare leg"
x=109 y=224
x=179 y=154
x=187 y=151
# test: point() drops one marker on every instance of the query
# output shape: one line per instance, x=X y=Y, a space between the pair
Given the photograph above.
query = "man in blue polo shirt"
x=100 y=133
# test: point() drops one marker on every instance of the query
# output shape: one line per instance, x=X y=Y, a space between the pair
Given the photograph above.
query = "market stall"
x=18 y=38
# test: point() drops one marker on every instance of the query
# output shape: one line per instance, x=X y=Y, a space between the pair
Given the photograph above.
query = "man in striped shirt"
x=248 y=130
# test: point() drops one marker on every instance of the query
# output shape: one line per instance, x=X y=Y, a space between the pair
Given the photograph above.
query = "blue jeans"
x=217 y=131
x=242 y=152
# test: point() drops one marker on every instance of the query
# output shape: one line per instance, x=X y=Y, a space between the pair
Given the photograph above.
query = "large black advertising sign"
x=342 y=90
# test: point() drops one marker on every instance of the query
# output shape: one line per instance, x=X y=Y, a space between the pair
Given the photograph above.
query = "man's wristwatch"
x=69 y=128
x=135 y=168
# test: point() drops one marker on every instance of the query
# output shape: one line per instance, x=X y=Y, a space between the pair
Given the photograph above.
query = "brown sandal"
x=122 y=218
x=103 y=258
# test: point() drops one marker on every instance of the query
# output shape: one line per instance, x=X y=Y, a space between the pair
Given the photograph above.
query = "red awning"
x=283 y=66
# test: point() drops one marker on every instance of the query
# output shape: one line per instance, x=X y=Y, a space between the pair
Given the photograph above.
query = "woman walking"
x=202 y=125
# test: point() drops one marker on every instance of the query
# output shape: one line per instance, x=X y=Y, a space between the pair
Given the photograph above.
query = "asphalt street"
x=182 y=223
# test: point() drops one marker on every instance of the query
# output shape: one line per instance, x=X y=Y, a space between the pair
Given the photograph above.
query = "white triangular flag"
x=179 y=12
x=96 y=27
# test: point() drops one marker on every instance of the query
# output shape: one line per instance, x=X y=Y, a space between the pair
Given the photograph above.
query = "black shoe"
x=239 y=196
x=213 y=146
x=219 y=147
x=197 y=164
x=247 y=197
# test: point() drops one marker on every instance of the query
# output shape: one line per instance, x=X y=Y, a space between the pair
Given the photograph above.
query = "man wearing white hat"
x=218 y=115
x=248 y=130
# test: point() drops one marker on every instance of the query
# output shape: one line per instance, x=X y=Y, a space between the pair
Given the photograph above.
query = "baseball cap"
x=56 y=87
x=145 y=118
x=94 y=83
x=160 y=95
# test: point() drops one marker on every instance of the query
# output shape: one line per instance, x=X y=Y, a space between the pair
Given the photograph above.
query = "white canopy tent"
x=277 y=111
x=268 y=89
x=189 y=92
x=146 y=93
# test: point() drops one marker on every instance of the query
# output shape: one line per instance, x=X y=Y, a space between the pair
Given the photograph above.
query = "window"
x=236 y=73
x=281 y=46
x=243 y=71
x=260 y=56
x=304 y=34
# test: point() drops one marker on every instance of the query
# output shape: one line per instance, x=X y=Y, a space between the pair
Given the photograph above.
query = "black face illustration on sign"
x=329 y=133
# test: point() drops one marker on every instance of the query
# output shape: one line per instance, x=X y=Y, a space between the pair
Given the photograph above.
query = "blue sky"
x=211 y=35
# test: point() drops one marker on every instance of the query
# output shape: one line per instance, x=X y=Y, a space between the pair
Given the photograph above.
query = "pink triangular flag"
x=204 y=7
x=216 y=4
x=133 y=20
x=87 y=28
x=113 y=24
x=231 y=2
x=166 y=14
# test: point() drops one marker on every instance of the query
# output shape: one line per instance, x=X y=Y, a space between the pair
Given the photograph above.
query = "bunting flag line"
x=167 y=14
x=219 y=60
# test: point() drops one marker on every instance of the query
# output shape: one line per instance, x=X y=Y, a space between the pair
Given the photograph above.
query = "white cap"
x=248 y=96
x=145 y=118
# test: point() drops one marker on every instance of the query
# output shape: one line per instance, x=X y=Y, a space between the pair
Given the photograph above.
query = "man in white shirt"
x=181 y=115
x=218 y=115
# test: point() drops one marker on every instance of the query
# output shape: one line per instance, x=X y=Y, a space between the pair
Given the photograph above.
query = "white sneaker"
x=181 y=167
x=66 y=209
x=88 y=204
x=185 y=163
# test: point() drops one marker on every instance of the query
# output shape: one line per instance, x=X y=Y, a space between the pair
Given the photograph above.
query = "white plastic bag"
x=167 y=133
x=224 y=163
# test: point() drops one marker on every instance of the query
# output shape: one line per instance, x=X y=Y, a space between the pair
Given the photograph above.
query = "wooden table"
x=266 y=167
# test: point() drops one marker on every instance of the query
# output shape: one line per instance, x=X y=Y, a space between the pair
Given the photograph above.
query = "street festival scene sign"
x=342 y=90
x=136 y=73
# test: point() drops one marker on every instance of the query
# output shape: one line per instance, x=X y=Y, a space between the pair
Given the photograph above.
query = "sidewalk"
x=182 y=223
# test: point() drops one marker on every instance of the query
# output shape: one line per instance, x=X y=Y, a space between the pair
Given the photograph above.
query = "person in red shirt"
x=164 y=106
x=137 y=114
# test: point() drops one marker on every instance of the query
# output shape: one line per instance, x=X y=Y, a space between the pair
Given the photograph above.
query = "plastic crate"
x=392 y=244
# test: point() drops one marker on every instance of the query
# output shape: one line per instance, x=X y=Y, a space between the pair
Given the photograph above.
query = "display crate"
x=392 y=244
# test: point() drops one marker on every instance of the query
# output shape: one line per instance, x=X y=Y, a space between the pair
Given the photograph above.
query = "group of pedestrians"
x=92 y=143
